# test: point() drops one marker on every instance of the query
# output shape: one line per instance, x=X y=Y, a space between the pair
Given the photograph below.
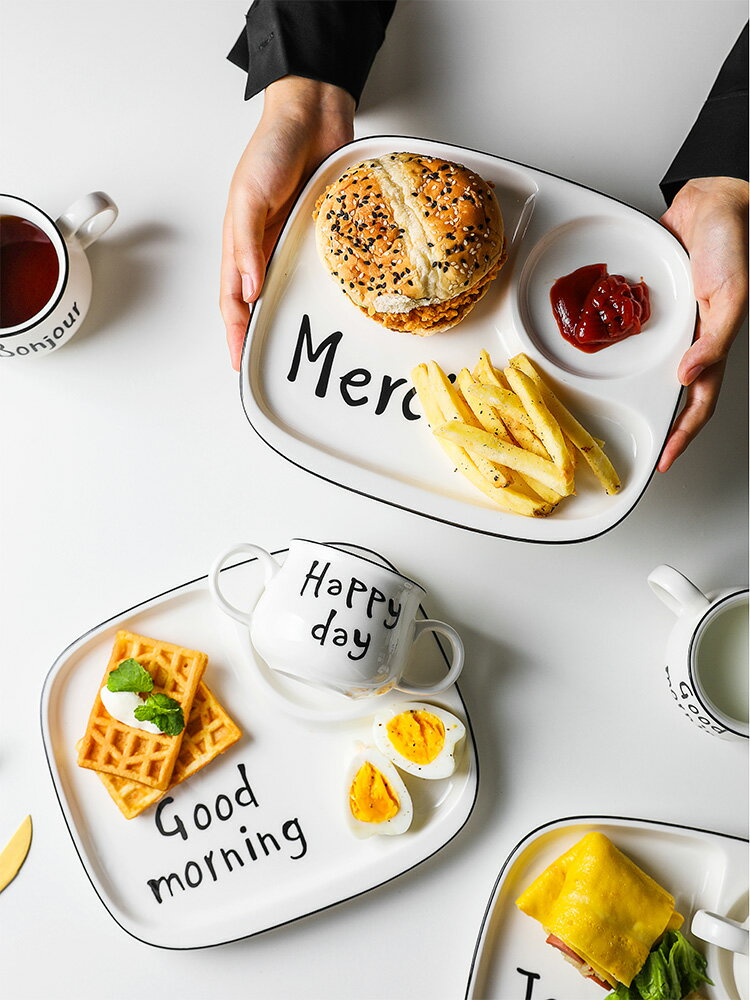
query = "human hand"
x=709 y=217
x=302 y=122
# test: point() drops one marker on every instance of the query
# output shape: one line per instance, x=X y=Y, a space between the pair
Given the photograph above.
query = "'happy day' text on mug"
x=357 y=386
x=319 y=584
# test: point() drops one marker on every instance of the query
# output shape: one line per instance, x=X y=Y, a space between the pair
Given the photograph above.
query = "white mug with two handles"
x=336 y=620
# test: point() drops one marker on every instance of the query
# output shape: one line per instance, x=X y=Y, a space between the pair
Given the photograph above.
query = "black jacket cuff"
x=717 y=144
x=334 y=41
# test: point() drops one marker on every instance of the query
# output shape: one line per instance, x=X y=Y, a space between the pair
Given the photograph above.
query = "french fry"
x=479 y=397
x=478 y=441
x=488 y=483
x=436 y=416
x=546 y=427
x=508 y=434
x=516 y=419
x=504 y=400
x=482 y=408
x=454 y=407
x=576 y=432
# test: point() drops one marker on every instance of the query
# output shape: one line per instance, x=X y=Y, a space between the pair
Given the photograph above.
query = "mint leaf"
x=164 y=712
x=130 y=676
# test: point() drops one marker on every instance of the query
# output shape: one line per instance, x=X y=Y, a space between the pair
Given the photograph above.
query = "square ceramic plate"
x=365 y=433
x=702 y=870
x=259 y=836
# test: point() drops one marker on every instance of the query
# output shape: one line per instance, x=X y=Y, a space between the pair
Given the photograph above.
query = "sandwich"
x=614 y=923
x=414 y=241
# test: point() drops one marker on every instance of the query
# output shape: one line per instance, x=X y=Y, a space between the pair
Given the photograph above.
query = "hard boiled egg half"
x=377 y=799
x=420 y=739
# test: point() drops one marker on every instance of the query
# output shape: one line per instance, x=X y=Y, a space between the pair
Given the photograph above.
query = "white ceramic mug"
x=721 y=931
x=706 y=653
x=337 y=620
x=62 y=314
x=731 y=936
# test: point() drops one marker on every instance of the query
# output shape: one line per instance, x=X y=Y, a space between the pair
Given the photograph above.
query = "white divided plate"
x=278 y=794
x=702 y=870
x=329 y=389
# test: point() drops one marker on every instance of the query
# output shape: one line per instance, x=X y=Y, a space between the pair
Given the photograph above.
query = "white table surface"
x=128 y=464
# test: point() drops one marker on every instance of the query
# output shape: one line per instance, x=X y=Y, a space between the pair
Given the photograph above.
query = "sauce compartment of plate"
x=631 y=247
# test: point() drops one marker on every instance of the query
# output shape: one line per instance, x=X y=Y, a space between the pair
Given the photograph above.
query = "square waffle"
x=209 y=732
x=116 y=748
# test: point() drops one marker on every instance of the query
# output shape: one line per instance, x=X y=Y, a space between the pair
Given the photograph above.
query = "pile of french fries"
x=509 y=434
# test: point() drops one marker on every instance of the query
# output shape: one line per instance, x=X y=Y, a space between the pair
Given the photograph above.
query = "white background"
x=127 y=464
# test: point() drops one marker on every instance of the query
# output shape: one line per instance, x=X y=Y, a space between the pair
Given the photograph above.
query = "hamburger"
x=414 y=241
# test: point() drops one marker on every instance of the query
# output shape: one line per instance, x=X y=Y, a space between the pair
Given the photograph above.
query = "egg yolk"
x=418 y=736
x=371 y=798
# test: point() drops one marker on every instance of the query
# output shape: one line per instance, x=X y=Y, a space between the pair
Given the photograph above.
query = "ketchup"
x=594 y=309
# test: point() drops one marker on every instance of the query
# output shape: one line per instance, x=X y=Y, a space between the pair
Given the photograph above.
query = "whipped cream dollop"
x=121 y=705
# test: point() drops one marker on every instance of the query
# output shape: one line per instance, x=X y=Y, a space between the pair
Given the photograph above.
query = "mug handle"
x=88 y=218
x=457 y=664
x=676 y=591
x=721 y=931
x=267 y=561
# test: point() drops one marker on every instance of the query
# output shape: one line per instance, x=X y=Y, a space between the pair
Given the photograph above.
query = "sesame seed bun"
x=414 y=241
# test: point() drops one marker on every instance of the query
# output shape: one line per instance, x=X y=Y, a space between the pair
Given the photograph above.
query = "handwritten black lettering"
x=376 y=597
x=179 y=826
x=293 y=824
x=308 y=352
x=320 y=631
x=202 y=810
x=387 y=389
x=356 y=377
x=406 y=406
x=317 y=577
x=193 y=866
x=155 y=884
x=531 y=977
x=326 y=348
x=362 y=642
x=250 y=799
x=263 y=837
x=394 y=611
x=355 y=587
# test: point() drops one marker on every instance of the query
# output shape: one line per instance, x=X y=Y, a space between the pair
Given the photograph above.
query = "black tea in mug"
x=29 y=269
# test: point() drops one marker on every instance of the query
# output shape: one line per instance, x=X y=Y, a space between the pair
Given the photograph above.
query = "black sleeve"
x=717 y=144
x=334 y=41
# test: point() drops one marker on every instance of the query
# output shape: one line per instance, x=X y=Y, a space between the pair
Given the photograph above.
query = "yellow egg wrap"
x=599 y=903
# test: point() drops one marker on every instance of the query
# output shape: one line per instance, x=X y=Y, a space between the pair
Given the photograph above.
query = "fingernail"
x=248 y=287
x=692 y=374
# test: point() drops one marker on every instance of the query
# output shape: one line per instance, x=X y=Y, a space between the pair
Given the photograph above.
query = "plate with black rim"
x=329 y=389
x=259 y=837
x=702 y=870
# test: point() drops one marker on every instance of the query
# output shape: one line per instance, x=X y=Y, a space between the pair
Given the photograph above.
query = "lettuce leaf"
x=672 y=971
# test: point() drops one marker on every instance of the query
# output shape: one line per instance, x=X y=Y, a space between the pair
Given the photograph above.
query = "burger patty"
x=425 y=320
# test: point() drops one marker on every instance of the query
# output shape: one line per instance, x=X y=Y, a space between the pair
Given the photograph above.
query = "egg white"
x=397 y=824
x=444 y=764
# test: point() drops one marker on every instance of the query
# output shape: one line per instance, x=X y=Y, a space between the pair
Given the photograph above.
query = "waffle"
x=116 y=748
x=209 y=732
